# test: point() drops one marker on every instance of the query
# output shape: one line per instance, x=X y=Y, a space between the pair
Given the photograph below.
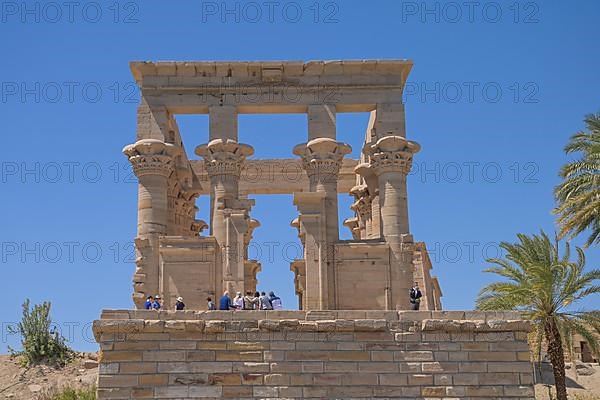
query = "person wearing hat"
x=156 y=303
x=179 y=304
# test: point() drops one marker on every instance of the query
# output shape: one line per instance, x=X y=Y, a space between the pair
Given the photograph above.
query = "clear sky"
x=496 y=90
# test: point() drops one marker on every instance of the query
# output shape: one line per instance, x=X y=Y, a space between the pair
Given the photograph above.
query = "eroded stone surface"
x=344 y=354
x=381 y=262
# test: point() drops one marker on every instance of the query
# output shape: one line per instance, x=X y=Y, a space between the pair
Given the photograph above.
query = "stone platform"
x=313 y=354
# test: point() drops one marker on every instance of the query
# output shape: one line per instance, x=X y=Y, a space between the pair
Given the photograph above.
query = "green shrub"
x=69 y=394
x=40 y=344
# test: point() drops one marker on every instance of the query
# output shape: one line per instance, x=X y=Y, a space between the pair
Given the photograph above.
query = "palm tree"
x=578 y=195
x=546 y=288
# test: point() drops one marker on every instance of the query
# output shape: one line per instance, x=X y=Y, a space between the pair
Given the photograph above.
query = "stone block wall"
x=313 y=354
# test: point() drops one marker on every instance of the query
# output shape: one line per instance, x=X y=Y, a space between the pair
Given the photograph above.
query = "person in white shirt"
x=238 y=301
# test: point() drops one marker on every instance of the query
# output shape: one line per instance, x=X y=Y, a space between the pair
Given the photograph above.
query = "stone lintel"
x=272 y=87
x=264 y=71
x=276 y=176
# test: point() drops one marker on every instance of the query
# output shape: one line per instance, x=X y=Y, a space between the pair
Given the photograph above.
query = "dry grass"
x=68 y=394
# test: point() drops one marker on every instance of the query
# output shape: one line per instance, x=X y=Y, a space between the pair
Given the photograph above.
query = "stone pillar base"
x=314 y=354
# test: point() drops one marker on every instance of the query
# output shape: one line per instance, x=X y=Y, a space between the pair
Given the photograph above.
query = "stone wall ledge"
x=124 y=321
x=419 y=316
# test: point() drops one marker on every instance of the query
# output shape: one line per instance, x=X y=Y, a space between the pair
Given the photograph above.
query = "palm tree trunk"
x=557 y=358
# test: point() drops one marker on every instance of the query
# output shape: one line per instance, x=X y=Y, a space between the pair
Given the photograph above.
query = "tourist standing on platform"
x=149 y=301
x=156 y=305
x=275 y=301
x=415 y=297
x=225 y=302
x=238 y=302
x=264 y=302
x=179 y=304
x=210 y=305
x=250 y=301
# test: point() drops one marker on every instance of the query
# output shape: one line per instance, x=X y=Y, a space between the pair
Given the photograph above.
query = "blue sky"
x=495 y=92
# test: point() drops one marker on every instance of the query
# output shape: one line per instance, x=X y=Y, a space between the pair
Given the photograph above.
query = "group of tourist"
x=256 y=301
x=155 y=303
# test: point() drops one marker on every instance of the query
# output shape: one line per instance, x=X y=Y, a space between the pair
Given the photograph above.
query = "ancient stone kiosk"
x=338 y=345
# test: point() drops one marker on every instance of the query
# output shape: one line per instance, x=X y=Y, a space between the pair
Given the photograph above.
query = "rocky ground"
x=584 y=382
x=19 y=383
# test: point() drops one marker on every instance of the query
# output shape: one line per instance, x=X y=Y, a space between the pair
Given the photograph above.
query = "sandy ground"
x=582 y=385
x=19 y=383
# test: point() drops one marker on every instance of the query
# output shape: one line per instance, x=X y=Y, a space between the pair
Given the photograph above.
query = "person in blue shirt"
x=225 y=302
x=156 y=304
x=149 y=301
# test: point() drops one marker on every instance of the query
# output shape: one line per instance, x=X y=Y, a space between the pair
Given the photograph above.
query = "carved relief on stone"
x=353 y=225
x=198 y=226
x=151 y=157
x=143 y=250
x=392 y=154
x=252 y=225
x=362 y=203
x=224 y=156
x=322 y=156
x=296 y=224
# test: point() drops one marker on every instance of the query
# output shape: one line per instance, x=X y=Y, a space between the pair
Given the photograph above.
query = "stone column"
x=298 y=267
x=391 y=159
x=368 y=175
x=322 y=160
x=152 y=162
x=223 y=159
x=251 y=267
x=252 y=225
x=311 y=225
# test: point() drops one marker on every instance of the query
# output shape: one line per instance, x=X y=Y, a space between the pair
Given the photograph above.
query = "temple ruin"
x=175 y=259
x=336 y=346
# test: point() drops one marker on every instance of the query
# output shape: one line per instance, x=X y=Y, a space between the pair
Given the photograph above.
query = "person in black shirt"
x=179 y=304
x=415 y=297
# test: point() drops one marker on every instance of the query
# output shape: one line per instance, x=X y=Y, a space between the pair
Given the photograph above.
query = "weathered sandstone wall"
x=314 y=354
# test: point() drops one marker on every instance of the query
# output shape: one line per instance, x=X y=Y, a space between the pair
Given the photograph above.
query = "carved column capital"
x=392 y=154
x=252 y=225
x=322 y=156
x=353 y=225
x=198 y=226
x=224 y=156
x=362 y=203
x=151 y=157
